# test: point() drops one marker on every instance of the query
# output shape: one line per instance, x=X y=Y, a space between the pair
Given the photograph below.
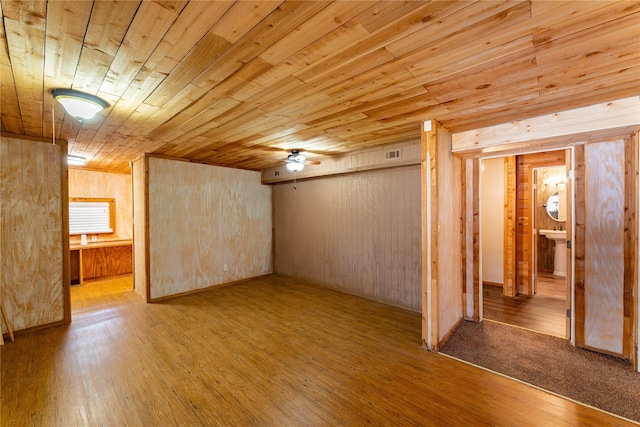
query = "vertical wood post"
x=509 y=288
x=578 y=245
x=630 y=249
x=477 y=289
x=429 y=244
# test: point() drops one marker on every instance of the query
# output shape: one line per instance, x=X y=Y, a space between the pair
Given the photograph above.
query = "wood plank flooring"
x=269 y=351
x=544 y=312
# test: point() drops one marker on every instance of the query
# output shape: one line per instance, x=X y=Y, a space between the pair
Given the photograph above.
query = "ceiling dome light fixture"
x=79 y=104
x=76 y=160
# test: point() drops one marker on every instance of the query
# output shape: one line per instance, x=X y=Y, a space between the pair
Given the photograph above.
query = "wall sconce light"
x=79 y=104
x=76 y=160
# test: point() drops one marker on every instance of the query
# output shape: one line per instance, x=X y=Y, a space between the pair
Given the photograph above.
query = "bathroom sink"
x=559 y=238
x=554 y=234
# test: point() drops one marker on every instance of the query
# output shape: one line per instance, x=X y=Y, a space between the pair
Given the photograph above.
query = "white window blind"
x=89 y=218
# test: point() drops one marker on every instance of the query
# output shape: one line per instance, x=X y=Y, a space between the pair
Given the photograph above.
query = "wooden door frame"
x=576 y=224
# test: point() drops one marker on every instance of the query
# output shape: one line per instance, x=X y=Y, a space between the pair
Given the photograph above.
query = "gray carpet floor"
x=551 y=363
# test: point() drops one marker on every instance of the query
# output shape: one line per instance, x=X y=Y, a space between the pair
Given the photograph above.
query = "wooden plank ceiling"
x=240 y=83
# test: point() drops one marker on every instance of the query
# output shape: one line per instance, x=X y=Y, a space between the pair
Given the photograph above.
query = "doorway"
x=533 y=293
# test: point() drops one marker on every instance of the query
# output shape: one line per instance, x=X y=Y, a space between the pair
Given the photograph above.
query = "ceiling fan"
x=296 y=161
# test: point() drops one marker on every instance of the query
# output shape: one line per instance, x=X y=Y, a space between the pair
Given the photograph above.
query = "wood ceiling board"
x=194 y=22
x=25 y=42
x=362 y=48
x=597 y=40
x=205 y=52
x=9 y=110
x=318 y=26
x=488 y=76
x=108 y=25
x=223 y=90
x=150 y=24
x=107 y=28
x=186 y=126
x=356 y=57
x=560 y=19
x=456 y=18
x=481 y=44
x=256 y=41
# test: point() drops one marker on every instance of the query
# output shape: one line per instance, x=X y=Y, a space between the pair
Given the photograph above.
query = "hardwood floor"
x=269 y=351
x=544 y=312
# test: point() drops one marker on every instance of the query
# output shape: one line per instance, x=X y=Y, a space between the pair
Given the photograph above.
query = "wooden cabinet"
x=100 y=259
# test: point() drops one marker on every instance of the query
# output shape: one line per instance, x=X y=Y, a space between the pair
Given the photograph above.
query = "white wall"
x=493 y=221
x=201 y=218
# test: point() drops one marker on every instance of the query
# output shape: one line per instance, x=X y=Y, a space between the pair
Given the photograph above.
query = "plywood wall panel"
x=200 y=218
x=358 y=233
x=83 y=183
x=604 y=246
x=140 y=240
x=449 y=232
x=31 y=242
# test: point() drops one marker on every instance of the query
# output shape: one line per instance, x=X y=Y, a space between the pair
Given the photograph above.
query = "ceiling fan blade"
x=311 y=162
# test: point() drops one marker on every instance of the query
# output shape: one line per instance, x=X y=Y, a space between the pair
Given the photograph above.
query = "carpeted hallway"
x=551 y=363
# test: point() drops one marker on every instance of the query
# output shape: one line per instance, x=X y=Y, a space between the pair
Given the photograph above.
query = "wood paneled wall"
x=604 y=246
x=33 y=239
x=358 y=233
x=207 y=225
x=443 y=280
x=83 y=183
x=524 y=228
x=140 y=230
x=449 y=235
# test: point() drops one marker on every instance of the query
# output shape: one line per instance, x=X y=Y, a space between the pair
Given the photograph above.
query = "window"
x=91 y=216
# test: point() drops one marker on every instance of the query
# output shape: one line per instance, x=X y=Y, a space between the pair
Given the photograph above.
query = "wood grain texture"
x=476 y=237
x=200 y=218
x=92 y=184
x=468 y=254
x=140 y=200
x=299 y=354
x=619 y=114
x=358 y=233
x=524 y=236
x=630 y=245
x=580 y=209
x=509 y=287
x=241 y=83
x=604 y=246
x=570 y=260
x=106 y=261
x=32 y=242
x=449 y=231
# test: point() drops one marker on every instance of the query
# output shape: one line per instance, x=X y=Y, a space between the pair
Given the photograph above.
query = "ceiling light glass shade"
x=295 y=167
x=79 y=104
x=76 y=160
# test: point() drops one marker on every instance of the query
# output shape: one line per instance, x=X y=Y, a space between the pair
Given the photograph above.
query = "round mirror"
x=552 y=206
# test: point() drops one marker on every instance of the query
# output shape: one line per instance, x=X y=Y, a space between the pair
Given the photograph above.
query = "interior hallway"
x=544 y=312
x=268 y=351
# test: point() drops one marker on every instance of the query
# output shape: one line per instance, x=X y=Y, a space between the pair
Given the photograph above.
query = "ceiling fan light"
x=79 y=104
x=295 y=166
